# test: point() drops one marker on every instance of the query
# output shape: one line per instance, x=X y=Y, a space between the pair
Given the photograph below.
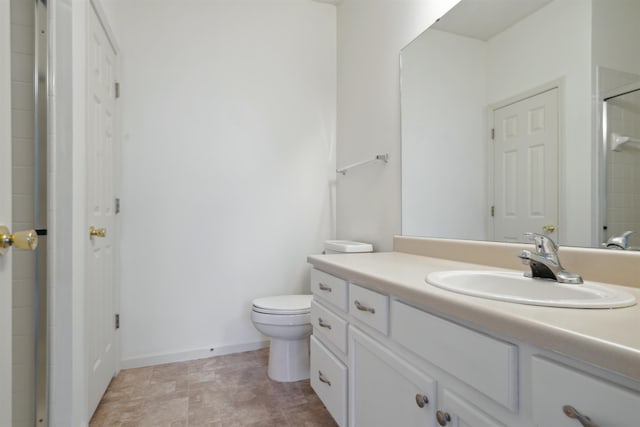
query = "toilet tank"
x=346 y=247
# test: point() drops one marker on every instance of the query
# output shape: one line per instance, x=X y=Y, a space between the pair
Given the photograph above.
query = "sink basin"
x=515 y=287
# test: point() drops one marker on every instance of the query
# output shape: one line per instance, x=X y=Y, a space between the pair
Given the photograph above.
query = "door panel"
x=526 y=167
x=100 y=211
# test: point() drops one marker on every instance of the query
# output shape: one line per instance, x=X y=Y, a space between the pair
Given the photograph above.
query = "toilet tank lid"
x=348 y=246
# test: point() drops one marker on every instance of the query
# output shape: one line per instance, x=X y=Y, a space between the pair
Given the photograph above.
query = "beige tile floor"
x=228 y=391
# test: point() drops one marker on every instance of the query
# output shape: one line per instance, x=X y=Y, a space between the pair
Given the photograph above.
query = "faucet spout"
x=619 y=242
x=545 y=263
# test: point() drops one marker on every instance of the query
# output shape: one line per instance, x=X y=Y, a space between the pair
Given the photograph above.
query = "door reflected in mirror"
x=483 y=58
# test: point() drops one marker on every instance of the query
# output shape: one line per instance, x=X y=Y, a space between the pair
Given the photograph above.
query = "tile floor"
x=229 y=391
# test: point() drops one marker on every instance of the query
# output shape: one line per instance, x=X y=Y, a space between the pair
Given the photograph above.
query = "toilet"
x=286 y=319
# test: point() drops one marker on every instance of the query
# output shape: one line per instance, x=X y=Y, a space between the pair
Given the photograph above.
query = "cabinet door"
x=561 y=393
x=455 y=411
x=384 y=389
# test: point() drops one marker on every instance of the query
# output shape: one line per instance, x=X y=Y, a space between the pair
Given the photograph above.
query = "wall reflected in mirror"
x=487 y=55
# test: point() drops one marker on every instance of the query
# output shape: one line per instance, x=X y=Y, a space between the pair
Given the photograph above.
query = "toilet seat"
x=283 y=305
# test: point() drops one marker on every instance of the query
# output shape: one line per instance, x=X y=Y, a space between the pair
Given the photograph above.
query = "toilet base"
x=288 y=360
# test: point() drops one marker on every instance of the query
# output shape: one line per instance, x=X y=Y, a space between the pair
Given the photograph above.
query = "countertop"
x=608 y=338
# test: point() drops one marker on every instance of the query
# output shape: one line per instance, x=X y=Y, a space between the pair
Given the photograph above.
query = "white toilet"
x=286 y=319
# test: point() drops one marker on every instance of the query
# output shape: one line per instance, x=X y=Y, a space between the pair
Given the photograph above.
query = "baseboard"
x=181 y=356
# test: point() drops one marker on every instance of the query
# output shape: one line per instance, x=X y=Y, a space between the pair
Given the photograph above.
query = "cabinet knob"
x=443 y=418
x=421 y=400
x=572 y=412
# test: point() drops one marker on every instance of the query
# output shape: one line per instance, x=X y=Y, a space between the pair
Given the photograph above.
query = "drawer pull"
x=443 y=418
x=324 y=287
x=324 y=379
x=323 y=324
x=364 y=307
x=421 y=400
x=571 y=412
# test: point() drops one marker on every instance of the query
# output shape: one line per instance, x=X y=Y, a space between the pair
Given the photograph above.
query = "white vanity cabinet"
x=379 y=361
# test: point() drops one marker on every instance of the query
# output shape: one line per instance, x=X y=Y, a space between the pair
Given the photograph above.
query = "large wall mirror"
x=505 y=127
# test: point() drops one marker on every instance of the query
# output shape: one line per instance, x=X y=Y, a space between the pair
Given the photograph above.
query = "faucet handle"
x=544 y=244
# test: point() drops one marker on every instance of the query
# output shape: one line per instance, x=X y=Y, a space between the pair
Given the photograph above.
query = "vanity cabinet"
x=378 y=361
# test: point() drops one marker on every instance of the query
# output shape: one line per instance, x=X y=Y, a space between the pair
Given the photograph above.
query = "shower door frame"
x=603 y=157
x=5 y=214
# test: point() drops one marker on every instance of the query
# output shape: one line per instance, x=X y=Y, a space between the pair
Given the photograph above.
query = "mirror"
x=501 y=119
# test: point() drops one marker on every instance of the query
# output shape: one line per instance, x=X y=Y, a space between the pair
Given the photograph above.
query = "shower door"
x=5 y=215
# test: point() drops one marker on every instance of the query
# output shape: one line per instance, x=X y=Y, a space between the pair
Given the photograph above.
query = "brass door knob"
x=26 y=240
x=548 y=229
x=97 y=232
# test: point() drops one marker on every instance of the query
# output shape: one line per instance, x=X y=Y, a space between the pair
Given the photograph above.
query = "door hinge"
x=117 y=321
x=493 y=211
x=117 y=205
x=493 y=133
x=117 y=89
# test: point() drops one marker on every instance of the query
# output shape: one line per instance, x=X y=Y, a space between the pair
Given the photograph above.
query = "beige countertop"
x=608 y=338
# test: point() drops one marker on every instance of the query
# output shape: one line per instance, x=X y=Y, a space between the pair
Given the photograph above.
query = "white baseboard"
x=181 y=356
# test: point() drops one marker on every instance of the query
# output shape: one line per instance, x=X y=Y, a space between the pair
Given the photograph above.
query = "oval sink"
x=515 y=287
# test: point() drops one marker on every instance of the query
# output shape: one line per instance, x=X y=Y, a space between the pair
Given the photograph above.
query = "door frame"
x=558 y=84
x=5 y=214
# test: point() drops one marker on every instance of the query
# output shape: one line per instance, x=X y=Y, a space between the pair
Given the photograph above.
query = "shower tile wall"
x=623 y=169
x=22 y=102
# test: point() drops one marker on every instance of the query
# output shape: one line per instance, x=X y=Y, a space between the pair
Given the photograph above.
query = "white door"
x=5 y=213
x=525 y=163
x=100 y=211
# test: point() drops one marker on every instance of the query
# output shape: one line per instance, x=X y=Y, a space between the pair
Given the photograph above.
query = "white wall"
x=370 y=36
x=228 y=130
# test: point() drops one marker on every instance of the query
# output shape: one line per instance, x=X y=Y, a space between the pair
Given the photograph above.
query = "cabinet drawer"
x=329 y=326
x=555 y=386
x=370 y=307
x=329 y=381
x=485 y=363
x=329 y=288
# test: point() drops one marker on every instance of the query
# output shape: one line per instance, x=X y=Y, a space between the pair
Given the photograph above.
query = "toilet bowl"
x=286 y=320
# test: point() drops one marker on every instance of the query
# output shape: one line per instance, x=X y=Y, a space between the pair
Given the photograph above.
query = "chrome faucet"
x=618 y=242
x=544 y=262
